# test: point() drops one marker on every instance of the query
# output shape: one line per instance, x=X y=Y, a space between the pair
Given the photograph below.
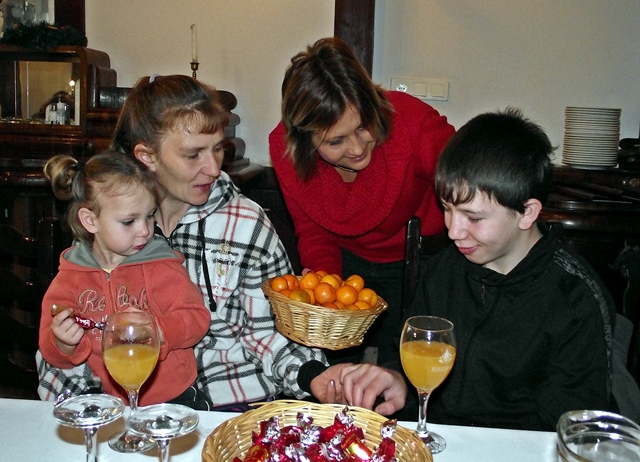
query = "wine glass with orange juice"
x=427 y=352
x=130 y=349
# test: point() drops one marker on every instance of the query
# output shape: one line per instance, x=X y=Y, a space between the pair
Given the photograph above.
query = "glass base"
x=129 y=442
x=434 y=442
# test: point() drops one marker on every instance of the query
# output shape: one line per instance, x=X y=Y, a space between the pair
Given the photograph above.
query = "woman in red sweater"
x=355 y=163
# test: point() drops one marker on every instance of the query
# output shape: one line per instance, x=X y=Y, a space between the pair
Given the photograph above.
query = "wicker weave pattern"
x=233 y=437
x=320 y=327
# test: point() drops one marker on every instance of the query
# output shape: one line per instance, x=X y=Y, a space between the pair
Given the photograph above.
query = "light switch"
x=423 y=88
x=420 y=89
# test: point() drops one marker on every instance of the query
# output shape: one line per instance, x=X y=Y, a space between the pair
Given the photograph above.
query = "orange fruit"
x=285 y=292
x=362 y=305
x=279 y=283
x=352 y=307
x=300 y=295
x=321 y=273
x=355 y=281
x=330 y=305
x=312 y=296
x=309 y=281
x=347 y=295
x=338 y=278
x=292 y=281
x=331 y=279
x=324 y=293
x=369 y=296
x=340 y=305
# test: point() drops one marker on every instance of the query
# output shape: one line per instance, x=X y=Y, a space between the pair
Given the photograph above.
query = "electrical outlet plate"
x=423 y=88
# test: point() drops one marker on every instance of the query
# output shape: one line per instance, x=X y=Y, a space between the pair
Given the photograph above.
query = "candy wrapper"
x=85 y=323
x=343 y=441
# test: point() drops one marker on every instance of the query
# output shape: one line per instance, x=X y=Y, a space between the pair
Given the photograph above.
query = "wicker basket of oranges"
x=307 y=311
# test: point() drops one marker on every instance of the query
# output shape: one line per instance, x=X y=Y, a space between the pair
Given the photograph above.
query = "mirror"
x=39 y=90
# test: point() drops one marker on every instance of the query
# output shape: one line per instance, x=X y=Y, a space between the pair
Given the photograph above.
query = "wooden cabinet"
x=29 y=82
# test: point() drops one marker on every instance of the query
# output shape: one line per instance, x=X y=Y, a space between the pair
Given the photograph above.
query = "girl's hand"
x=67 y=333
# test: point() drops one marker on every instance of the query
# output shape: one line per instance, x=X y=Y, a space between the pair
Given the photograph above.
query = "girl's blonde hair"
x=108 y=173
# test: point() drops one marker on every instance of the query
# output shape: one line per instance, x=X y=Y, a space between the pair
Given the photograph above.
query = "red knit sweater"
x=367 y=217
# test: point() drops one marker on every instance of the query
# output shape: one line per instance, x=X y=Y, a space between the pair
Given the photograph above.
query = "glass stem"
x=423 y=398
x=133 y=399
x=90 y=441
x=163 y=450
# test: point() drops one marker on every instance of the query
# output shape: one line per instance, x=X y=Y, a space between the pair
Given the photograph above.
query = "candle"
x=194 y=44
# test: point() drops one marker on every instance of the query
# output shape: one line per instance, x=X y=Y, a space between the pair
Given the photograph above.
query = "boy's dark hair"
x=501 y=154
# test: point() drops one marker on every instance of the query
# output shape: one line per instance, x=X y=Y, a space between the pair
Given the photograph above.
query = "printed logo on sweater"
x=91 y=301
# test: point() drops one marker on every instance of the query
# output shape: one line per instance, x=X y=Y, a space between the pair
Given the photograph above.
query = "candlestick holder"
x=194 y=68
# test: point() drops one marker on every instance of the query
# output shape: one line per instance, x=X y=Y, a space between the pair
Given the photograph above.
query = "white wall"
x=539 y=55
x=244 y=46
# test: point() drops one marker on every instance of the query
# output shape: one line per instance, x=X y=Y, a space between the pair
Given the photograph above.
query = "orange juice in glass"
x=130 y=349
x=427 y=352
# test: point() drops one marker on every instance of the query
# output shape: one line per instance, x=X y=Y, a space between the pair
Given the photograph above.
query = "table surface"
x=30 y=433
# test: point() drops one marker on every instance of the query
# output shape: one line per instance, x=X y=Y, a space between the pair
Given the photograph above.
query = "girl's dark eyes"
x=127 y=222
x=335 y=142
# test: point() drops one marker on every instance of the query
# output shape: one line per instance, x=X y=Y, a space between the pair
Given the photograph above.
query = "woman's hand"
x=360 y=385
x=67 y=332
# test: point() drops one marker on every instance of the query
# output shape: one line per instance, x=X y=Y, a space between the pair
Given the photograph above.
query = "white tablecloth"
x=28 y=432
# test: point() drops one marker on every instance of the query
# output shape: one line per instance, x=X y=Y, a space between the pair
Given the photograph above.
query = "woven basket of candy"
x=308 y=431
x=320 y=327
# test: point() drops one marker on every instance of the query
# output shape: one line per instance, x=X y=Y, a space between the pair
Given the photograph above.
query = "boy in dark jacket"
x=533 y=322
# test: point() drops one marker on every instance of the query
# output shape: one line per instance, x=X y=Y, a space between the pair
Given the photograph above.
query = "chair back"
x=27 y=266
x=417 y=246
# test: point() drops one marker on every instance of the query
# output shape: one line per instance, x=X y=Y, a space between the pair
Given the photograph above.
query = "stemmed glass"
x=162 y=422
x=130 y=348
x=427 y=352
x=88 y=412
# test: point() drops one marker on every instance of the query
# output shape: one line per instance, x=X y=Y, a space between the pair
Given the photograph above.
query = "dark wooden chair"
x=416 y=247
x=27 y=266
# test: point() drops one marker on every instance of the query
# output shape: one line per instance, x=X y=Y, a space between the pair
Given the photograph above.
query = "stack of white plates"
x=591 y=137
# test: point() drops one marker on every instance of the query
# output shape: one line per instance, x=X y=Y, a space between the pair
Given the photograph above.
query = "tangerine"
x=324 y=293
x=278 y=283
x=309 y=281
x=300 y=295
x=285 y=292
x=321 y=273
x=330 y=305
x=355 y=281
x=338 y=278
x=292 y=281
x=340 y=305
x=347 y=295
x=369 y=296
x=353 y=307
x=312 y=296
x=331 y=279
x=362 y=305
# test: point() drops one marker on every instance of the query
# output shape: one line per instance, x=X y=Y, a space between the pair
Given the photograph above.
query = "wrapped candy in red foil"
x=342 y=441
x=83 y=322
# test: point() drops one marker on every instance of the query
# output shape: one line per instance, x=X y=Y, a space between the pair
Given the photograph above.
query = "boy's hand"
x=67 y=333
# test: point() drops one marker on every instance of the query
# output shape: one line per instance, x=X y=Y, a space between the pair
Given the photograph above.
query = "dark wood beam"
x=353 y=22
